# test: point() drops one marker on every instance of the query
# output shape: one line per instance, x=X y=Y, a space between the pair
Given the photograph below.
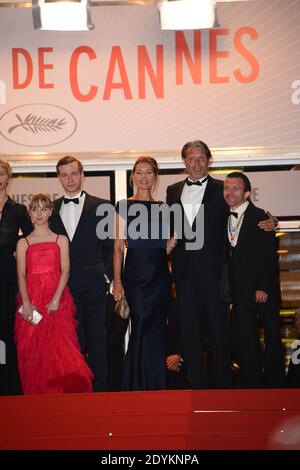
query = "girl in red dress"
x=49 y=357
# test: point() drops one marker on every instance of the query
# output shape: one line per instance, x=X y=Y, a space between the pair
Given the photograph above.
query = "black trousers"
x=204 y=326
x=258 y=368
x=90 y=300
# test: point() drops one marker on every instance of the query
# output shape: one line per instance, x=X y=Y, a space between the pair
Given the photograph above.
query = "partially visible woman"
x=13 y=219
x=146 y=281
x=49 y=356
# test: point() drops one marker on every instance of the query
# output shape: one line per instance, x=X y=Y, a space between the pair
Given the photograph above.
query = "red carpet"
x=214 y=419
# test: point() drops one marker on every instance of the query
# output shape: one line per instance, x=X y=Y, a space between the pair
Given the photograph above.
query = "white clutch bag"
x=36 y=317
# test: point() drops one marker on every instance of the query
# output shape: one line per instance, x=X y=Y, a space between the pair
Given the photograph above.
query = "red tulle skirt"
x=49 y=356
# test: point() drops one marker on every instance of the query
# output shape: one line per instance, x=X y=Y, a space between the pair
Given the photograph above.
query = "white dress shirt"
x=234 y=224
x=70 y=213
x=191 y=198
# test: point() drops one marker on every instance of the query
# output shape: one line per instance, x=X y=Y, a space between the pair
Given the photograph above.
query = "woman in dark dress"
x=13 y=218
x=146 y=281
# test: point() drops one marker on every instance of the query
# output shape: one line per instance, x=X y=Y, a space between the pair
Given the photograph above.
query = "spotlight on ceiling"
x=62 y=15
x=187 y=14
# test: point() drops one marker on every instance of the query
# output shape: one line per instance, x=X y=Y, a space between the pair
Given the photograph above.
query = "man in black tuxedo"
x=255 y=288
x=197 y=270
x=74 y=215
x=176 y=370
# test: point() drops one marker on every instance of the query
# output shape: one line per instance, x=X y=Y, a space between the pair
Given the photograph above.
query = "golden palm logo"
x=37 y=125
x=34 y=124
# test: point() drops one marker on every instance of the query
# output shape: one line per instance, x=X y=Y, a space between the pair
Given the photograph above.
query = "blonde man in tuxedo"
x=91 y=263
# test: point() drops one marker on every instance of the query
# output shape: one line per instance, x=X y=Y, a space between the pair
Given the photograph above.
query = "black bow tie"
x=75 y=200
x=235 y=214
x=197 y=183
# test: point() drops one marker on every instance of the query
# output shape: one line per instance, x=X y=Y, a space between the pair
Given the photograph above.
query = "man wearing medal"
x=255 y=289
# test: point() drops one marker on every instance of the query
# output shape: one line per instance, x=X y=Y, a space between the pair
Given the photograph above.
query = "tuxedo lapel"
x=209 y=191
x=178 y=191
x=84 y=215
x=57 y=205
x=59 y=225
x=246 y=221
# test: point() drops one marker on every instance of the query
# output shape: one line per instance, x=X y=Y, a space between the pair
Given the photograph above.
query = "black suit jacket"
x=207 y=261
x=254 y=262
x=89 y=255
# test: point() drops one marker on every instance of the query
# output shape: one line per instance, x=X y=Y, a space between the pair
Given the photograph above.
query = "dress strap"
x=57 y=238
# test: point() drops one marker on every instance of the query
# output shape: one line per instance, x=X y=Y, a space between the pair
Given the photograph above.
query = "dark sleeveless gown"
x=14 y=218
x=147 y=289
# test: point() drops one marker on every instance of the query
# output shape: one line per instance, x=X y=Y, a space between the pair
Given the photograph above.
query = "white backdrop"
x=276 y=191
x=127 y=85
x=22 y=188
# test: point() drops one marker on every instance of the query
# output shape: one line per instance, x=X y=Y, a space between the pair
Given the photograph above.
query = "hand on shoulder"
x=269 y=224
